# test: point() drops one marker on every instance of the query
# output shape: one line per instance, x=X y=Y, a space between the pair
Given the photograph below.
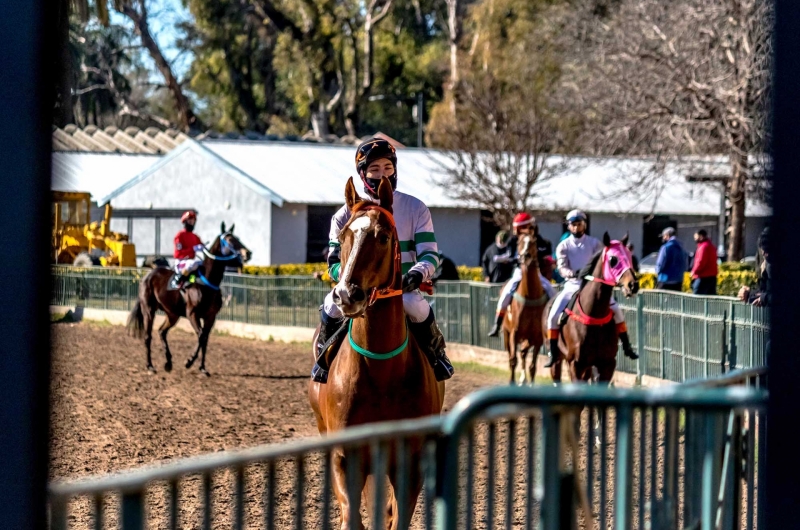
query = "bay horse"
x=521 y=330
x=379 y=373
x=199 y=302
x=589 y=338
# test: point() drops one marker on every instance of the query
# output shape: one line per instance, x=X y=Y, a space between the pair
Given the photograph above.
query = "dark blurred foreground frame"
x=783 y=428
x=25 y=106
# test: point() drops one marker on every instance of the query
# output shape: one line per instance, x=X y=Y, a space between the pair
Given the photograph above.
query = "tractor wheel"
x=84 y=259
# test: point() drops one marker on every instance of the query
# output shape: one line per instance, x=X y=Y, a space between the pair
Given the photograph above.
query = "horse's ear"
x=606 y=239
x=231 y=228
x=624 y=240
x=385 y=194
x=351 y=197
x=222 y=228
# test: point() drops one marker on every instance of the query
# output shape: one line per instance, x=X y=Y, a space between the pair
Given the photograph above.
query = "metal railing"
x=503 y=458
x=679 y=336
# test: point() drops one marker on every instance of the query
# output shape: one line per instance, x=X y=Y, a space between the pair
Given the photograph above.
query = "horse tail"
x=135 y=323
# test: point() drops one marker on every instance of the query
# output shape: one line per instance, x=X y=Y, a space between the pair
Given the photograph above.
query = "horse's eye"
x=613 y=261
x=383 y=238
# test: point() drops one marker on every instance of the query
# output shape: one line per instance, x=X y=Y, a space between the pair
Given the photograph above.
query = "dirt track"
x=109 y=414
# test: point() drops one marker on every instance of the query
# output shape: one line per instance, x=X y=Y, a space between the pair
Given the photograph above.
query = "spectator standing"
x=704 y=267
x=671 y=262
x=762 y=297
x=498 y=259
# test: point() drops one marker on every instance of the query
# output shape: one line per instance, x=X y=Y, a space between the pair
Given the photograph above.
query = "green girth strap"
x=372 y=355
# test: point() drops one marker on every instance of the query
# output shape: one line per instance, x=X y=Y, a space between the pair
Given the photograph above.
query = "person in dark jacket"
x=447 y=270
x=671 y=262
x=763 y=296
x=498 y=259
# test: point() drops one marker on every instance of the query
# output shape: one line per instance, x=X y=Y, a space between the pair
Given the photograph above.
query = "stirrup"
x=443 y=368
x=551 y=360
x=319 y=374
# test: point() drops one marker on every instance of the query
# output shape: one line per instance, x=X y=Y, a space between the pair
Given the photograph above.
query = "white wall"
x=289 y=233
x=194 y=180
x=458 y=234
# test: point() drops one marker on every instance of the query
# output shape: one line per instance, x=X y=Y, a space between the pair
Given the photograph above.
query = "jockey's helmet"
x=188 y=216
x=523 y=219
x=369 y=151
x=576 y=215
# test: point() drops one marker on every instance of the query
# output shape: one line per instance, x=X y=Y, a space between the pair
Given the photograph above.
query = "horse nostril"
x=358 y=295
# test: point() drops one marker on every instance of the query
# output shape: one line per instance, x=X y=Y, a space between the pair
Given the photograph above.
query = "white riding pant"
x=185 y=266
x=511 y=286
x=563 y=298
x=417 y=308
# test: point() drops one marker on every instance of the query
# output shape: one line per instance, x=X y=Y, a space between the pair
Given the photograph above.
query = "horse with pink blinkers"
x=589 y=337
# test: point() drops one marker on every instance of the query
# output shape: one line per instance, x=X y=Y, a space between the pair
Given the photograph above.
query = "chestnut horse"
x=380 y=373
x=199 y=302
x=589 y=338
x=521 y=330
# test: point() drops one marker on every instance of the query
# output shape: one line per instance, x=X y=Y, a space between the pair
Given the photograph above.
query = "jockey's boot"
x=431 y=340
x=319 y=372
x=553 y=353
x=498 y=324
x=627 y=349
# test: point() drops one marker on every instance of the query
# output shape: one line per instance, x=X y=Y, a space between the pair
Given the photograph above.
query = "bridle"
x=603 y=280
x=376 y=293
x=231 y=253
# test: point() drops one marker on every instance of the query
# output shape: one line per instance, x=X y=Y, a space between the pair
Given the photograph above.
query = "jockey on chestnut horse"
x=383 y=372
x=375 y=159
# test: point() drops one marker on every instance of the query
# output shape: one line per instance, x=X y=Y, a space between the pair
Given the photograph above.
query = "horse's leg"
x=523 y=374
x=149 y=315
x=340 y=491
x=168 y=323
x=208 y=324
x=534 y=360
x=194 y=320
x=414 y=489
x=511 y=348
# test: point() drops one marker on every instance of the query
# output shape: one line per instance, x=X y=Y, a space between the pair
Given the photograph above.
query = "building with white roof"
x=281 y=196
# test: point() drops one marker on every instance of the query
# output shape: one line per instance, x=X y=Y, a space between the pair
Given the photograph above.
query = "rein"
x=224 y=244
x=531 y=302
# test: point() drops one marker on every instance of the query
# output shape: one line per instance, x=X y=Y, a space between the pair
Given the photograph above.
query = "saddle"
x=564 y=316
x=176 y=284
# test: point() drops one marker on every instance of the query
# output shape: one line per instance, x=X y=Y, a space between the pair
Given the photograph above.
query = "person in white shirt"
x=573 y=254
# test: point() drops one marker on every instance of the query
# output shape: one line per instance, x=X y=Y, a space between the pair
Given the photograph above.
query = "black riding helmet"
x=369 y=151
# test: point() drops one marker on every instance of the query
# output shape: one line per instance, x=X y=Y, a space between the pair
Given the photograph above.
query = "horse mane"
x=589 y=268
x=215 y=245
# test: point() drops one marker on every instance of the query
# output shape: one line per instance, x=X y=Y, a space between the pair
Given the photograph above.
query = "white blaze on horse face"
x=360 y=228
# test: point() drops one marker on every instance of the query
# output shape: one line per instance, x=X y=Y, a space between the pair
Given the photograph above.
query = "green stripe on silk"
x=406 y=246
x=424 y=237
x=430 y=259
x=334 y=271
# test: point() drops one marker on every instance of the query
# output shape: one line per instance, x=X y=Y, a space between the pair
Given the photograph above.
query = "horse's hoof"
x=168 y=366
x=189 y=363
x=151 y=369
x=205 y=372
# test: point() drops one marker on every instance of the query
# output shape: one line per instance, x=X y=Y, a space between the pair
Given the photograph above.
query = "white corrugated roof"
x=96 y=173
x=316 y=174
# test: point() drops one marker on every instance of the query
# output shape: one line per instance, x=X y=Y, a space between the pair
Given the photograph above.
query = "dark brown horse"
x=521 y=329
x=589 y=338
x=199 y=302
x=380 y=373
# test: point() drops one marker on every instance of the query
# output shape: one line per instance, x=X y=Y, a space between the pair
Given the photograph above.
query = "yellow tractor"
x=78 y=241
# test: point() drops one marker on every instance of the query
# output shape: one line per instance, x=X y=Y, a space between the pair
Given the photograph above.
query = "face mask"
x=188 y=227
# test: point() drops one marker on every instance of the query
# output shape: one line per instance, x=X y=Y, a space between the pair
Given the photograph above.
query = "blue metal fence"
x=679 y=336
x=505 y=457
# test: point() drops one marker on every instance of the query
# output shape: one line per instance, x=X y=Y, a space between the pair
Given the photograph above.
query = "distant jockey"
x=574 y=253
x=187 y=247
x=523 y=224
